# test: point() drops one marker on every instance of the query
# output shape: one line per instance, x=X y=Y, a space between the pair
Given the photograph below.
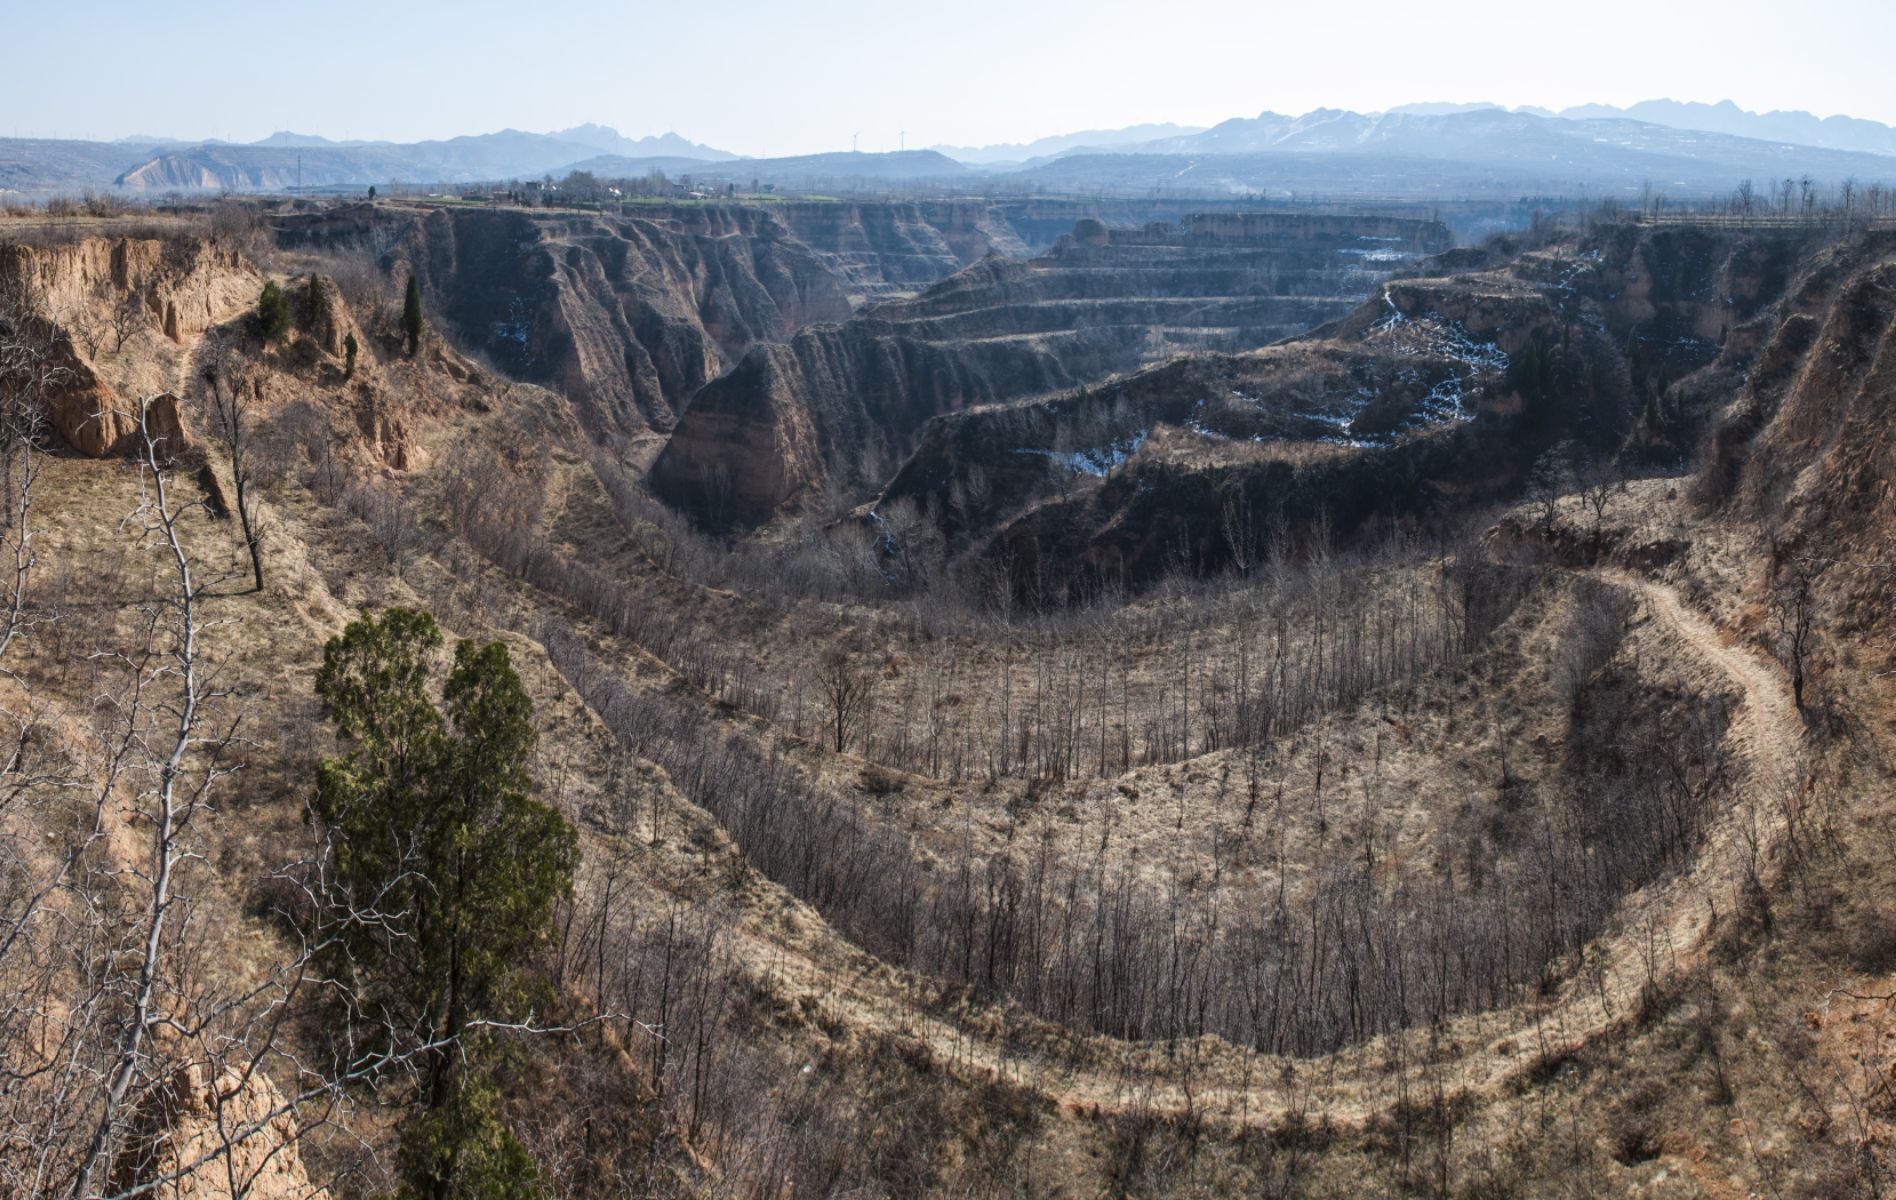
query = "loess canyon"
x=1050 y=697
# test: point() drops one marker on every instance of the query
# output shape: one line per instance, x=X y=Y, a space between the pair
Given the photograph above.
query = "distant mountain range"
x=1480 y=133
x=156 y=164
x=1047 y=147
x=1797 y=128
x=1428 y=149
x=1468 y=151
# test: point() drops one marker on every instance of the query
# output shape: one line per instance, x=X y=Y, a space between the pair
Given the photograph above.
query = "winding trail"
x=1770 y=733
x=1661 y=930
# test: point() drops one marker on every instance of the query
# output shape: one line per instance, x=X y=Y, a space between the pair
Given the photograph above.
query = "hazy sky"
x=793 y=77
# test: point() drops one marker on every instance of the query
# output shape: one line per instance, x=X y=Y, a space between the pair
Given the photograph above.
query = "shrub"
x=273 y=313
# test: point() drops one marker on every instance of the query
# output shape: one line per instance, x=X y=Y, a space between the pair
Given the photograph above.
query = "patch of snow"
x=1099 y=461
x=1395 y=317
x=516 y=327
x=1341 y=423
x=1379 y=255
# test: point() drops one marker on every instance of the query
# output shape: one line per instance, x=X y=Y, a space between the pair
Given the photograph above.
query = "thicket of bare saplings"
x=1356 y=948
x=1343 y=947
x=956 y=680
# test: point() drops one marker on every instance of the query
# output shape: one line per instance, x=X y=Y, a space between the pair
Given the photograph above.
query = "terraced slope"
x=1443 y=388
x=837 y=401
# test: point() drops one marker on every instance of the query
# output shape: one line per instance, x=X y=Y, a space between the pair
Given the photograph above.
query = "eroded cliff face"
x=842 y=401
x=1806 y=448
x=882 y=251
x=126 y=321
x=215 y=1135
x=122 y=316
x=1439 y=392
x=625 y=317
x=837 y=402
x=629 y=315
x=188 y=285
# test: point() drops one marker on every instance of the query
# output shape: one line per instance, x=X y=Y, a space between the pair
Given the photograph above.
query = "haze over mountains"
x=1065 y=143
x=278 y=162
x=1800 y=128
x=1419 y=149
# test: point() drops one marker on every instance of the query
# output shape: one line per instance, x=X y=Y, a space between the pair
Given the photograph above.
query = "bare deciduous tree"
x=229 y=402
x=1598 y=483
x=846 y=691
x=129 y=315
x=390 y=518
x=1545 y=485
x=1793 y=613
x=179 y=763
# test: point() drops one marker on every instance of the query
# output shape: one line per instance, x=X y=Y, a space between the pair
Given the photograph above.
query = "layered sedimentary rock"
x=629 y=315
x=792 y=419
x=1440 y=391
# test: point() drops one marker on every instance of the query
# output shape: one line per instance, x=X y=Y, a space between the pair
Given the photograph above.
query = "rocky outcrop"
x=838 y=401
x=90 y=417
x=385 y=432
x=81 y=407
x=335 y=323
x=164 y=424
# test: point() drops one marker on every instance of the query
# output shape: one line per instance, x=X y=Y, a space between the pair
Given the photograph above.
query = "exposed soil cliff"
x=835 y=403
x=1440 y=392
x=629 y=315
x=123 y=314
x=133 y=320
x=1805 y=450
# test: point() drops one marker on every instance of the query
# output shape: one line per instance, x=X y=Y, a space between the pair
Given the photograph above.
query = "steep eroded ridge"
x=1443 y=390
x=629 y=314
x=838 y=402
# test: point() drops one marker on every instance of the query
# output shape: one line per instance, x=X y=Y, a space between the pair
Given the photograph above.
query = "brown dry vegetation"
x=1458 y=866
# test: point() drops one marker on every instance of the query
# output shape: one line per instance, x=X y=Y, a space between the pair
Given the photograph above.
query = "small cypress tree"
x=349 y=356
x=315 y=302
x=273 y=312
x=411 y=315
x=435 y=827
